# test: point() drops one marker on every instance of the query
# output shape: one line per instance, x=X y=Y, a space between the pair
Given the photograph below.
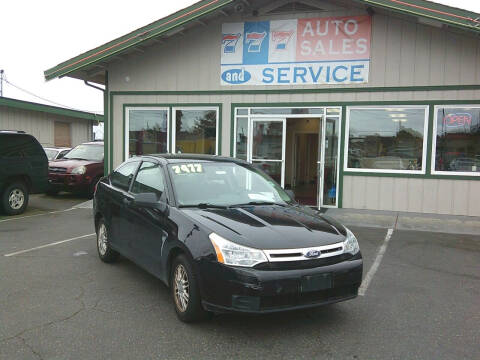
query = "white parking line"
x=368 y=278
x=44 y=213
x=48 y=245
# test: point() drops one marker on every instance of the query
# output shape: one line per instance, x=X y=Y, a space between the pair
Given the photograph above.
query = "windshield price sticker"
x=187 y=168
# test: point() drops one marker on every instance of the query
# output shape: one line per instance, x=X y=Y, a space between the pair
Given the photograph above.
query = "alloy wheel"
x=181 y=288
x=102 y=239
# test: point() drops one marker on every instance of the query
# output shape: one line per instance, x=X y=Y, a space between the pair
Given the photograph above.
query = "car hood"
x=71 y=163
x=270 y=227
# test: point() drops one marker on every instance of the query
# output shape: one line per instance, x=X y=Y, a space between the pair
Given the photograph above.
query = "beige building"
x=356 y=104
x=51 y=125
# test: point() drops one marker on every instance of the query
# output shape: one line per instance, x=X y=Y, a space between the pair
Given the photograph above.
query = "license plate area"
x=318 y=282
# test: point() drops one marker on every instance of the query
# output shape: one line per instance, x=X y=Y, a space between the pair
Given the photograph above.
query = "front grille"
x=57 y=170
x=303 y=264
x=324 y=251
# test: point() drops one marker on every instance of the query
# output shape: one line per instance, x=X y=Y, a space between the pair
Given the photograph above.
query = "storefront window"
x=147 y=131
x=196 y=131
x=386 y=139
x=457 y=143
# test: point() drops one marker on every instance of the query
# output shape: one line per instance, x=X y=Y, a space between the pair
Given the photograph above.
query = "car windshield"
x=86 y=152
x=210 y=184
x=51 y=153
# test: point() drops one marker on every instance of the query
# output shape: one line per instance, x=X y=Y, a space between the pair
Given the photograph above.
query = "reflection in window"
x=241 y=135
x=196 y=131
x=149 y=179
x=267 y=140
x=330 y=161
x=123 y=175
x=458 y=140
x=147 y=131
x=386 y=139
x=272 y=168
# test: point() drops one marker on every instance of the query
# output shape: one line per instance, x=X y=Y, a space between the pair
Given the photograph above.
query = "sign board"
x=314 y=51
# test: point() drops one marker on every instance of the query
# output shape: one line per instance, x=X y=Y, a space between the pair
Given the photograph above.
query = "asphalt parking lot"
x=60 y=302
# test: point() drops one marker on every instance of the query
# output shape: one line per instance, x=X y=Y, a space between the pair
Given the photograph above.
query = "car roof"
x=177 y=158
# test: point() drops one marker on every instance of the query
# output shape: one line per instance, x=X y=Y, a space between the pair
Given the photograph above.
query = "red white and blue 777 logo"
x=229 y=42
x=281 y=39
x=254 y=41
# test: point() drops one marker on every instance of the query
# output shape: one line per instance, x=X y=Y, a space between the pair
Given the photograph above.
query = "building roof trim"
x=445 y=14
x=27 y=105
x=136 y=37
x=460 y=18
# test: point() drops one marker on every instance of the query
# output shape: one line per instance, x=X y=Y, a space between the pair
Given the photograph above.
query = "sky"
x=37 y=35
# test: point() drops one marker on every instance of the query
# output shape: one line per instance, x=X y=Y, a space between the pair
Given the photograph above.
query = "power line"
x=44 y=99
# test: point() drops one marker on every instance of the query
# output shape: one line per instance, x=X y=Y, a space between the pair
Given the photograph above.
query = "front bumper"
x=237 y=289
x=69 y=182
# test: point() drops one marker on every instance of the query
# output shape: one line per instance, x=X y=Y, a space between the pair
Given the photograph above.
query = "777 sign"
x=229 y=42
x=255 y=40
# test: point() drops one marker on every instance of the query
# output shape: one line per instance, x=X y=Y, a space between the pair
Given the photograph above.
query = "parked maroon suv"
x=78 y=171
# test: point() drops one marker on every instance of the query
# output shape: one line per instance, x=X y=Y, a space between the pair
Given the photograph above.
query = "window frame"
x=135 y=160
x=127 y=126
x=434 y=141
x=194 y=108
x=160 y=167
x=346 y=169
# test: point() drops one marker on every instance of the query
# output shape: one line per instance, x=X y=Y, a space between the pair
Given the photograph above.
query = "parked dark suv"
x=23 y=170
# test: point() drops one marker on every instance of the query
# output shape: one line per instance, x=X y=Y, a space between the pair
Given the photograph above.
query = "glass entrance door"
x=267 y=146
x=260 y=138
x=328 y=164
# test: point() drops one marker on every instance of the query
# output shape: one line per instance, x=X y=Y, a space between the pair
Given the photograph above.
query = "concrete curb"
x=469 y=225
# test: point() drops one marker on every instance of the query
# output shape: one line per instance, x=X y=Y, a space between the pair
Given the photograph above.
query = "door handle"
x=127 y=201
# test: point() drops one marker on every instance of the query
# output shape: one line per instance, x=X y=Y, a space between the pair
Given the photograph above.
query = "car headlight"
x=229 y=253
x=351 y=244
x=80 y=170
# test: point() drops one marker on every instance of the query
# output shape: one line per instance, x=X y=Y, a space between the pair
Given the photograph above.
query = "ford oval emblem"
x=312 y=254
x=236 y=76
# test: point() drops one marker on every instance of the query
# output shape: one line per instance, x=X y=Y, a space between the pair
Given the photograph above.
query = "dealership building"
x=50 y=125
x=362 y=104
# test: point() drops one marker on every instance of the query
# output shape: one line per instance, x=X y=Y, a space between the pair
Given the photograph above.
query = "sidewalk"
x=408 y=221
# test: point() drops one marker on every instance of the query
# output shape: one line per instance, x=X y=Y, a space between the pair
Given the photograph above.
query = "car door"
x=38 y=164
x=151 y=226
x=120 y=226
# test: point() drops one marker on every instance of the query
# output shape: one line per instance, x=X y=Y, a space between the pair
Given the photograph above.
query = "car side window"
x=18 y=146
x=62 y=154
x=122 y=177
x=150 y=179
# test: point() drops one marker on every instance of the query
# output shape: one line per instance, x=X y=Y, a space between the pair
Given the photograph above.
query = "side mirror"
x=151 y=201
x=147 y=200
x=290 y=193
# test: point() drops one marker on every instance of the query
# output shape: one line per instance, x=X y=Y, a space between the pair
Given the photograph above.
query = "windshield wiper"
x=204 y=206
x=258 y=203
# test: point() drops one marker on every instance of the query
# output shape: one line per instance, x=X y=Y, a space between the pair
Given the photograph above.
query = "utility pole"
x=1 y=82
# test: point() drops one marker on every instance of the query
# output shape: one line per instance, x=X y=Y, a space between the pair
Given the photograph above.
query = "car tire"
x=105 y=252
x=183 y=280
x=15 y=198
